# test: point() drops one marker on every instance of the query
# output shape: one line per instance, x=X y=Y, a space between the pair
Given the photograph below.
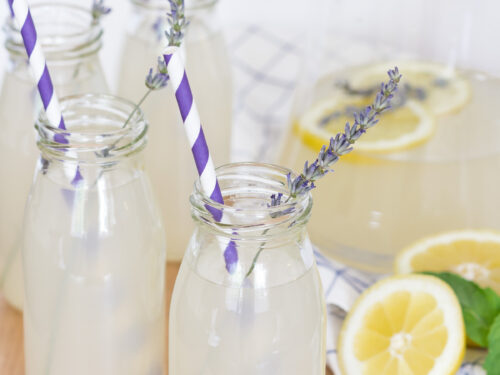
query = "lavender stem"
x=138 y=105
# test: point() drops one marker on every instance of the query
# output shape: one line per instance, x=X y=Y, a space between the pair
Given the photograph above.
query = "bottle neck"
x=248 y=214
x=255 y=244
x=100 y=131
x=68 y=33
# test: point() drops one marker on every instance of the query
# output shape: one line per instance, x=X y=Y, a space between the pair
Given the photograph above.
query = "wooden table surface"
x=11 y=331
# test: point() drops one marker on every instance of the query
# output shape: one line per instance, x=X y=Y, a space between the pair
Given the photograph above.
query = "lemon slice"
x=473 y=254
x=399 y=129
x=439 y=88
x=403 y=325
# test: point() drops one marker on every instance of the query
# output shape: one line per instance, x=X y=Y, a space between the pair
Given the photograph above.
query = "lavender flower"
x=99 y=10
x=175 y=34
x=177 y=23
x=158 y=80
x=342 y=143
x=275 y=200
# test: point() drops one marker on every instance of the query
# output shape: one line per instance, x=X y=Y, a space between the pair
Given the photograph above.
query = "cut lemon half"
x=399 y=129
x=473 y=254
x=440 y=89
x=403 y=325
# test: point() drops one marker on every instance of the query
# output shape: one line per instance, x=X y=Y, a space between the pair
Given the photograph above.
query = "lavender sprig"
x=175 y=34
x=177 y=23
x=153 y=82
x=341 y=144
x=155 y=79
x=99 y=10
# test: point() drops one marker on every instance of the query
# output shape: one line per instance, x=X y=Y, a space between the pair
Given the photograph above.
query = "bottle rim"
x=66 y=32
x=95 y=131
x=247 y=213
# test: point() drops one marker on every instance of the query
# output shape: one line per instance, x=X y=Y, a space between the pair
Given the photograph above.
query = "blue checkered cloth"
x=265 y=70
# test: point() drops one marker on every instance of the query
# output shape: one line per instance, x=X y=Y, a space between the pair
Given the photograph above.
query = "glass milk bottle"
x=254 y=306
x=94 y=248
x=168 y=158
x=71 y=41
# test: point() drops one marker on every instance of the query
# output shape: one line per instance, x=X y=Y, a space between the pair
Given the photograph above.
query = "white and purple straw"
x=38 y=64
x=22 y=14
x=192 y=125
x=197 y=142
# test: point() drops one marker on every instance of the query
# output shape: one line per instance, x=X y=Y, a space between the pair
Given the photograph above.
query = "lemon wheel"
x=399 y=129
x=473 y=254
x=403 y=325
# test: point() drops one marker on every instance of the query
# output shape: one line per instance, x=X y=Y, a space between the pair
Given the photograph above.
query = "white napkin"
x=342 y=286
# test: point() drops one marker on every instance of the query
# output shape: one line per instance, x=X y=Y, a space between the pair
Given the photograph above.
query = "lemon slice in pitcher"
x=403 y=325
x=440 y=89
x=399 y=129
x=473 y=254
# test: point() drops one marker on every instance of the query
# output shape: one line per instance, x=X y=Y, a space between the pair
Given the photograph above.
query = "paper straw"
x=38 y=64
x=192 y=125
x=197 y=142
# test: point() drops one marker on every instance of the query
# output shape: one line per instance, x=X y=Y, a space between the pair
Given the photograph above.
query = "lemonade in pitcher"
x=429 y=167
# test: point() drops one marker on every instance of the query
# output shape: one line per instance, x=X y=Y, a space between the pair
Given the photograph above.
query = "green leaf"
x=492 y=362
x=480 y=306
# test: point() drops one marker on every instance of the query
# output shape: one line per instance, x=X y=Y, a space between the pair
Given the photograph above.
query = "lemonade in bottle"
x=94 y=249
x=266 y=314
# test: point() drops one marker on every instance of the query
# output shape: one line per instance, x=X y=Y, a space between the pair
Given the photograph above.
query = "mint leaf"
x=492 y=362
x=480 y=306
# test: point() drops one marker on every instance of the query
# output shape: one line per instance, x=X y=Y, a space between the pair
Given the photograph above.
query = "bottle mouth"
x=247 y=212
x=65 y=31
x=162 y=5
x=95 y=130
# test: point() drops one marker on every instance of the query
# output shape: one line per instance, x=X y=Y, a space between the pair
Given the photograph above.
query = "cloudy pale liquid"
x=217 y=330
x=168 y=156
x=366 y=212
x=94 y=264
x=19 y=106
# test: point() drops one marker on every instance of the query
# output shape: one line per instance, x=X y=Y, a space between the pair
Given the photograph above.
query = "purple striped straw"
x=38 y=64
x=22 y=14
x=197 y=142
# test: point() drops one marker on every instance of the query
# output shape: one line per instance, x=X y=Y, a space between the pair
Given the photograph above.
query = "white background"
x=463 y=32
x=479 y=24
x=231 y=12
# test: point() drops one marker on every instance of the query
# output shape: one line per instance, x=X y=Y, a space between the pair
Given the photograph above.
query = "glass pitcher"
x=428 y=167
x=248 y=298
x=168 y=157
x=94 y=248
x=71 y=40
